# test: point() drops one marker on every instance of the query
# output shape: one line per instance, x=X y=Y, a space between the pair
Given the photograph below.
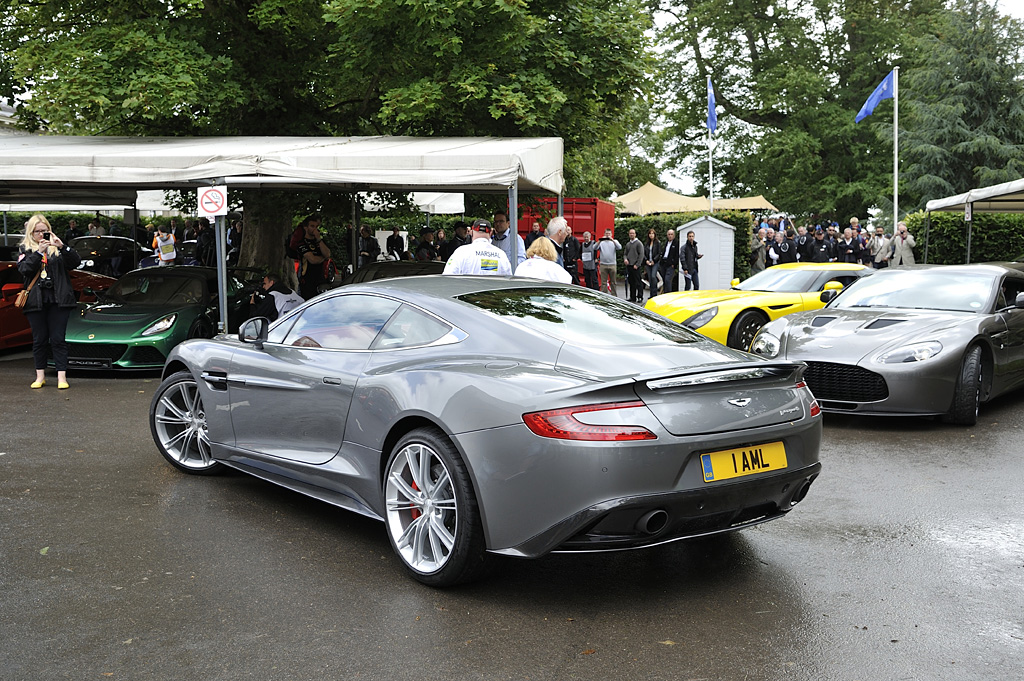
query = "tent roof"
x=1001 y=198
x=109 y=170
x=746 y=203
x=651 y=198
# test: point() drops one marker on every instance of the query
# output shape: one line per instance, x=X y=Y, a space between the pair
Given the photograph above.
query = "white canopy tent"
x=110 y=170
x=1007 y=197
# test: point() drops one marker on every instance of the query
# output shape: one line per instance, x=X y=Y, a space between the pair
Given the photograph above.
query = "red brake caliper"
x=416 y=513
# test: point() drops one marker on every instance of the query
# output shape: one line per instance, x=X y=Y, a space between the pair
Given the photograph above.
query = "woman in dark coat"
x=51 y=299
x=652 y=256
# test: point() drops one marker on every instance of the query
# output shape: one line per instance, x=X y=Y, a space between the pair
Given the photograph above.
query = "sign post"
x=213 y=203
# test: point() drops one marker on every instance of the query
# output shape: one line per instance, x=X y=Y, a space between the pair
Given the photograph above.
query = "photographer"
x=45 y=264
x=273 y=299
x=902 y=246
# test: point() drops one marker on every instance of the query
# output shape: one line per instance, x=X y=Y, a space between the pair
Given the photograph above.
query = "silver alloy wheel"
x=422 y=513
x=180 y=425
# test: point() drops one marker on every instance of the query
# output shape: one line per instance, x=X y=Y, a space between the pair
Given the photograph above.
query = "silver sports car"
x=924 y=340
x=486 y=414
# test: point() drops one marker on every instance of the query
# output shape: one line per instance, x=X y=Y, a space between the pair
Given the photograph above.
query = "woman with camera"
x=45 y=263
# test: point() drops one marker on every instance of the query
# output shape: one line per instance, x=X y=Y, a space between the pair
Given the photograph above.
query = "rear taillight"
x=815 y=409
x=562 y=424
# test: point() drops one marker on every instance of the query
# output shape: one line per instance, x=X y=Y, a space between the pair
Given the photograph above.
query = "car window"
x=578 y=315
x=348 y=322
x=157 y=289
x=410 y=327
x=780 y=281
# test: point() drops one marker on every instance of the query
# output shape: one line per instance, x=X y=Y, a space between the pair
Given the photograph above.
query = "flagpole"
x=895 y=148
x=711 y=177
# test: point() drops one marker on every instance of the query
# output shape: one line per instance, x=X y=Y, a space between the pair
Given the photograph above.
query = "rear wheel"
x=744 y=328
x=200 y=328
x=177 y=420
x=967 y=394
x=431 y=512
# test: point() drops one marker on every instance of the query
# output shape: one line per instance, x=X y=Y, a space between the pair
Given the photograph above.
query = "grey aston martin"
x=485 y=414
x=921 y=340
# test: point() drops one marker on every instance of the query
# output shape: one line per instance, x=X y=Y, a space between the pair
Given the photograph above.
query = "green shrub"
x=994 y=237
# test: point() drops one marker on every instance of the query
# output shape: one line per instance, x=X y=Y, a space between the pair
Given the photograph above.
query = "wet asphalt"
x=905 y=561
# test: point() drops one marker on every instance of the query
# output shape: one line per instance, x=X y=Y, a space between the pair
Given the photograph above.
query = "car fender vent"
x=822 y=321
x=780 y=307
x=883 y=323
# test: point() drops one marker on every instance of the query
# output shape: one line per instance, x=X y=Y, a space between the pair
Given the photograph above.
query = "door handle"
x=331 y=380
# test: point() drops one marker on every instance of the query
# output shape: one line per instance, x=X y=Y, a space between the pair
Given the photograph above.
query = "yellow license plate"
x=735 y=463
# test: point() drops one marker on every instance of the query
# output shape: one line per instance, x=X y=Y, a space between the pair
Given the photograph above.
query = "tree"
x=789 y=77
x=963 y=125
x=329 y=67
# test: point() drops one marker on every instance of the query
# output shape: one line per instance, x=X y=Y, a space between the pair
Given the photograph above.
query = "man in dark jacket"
x=822 y=249
x=460 y=237
x=849 y=247
x=570 y=255
x=689 y=257
x=206 y=244
x=668 y=266
x=396 y=245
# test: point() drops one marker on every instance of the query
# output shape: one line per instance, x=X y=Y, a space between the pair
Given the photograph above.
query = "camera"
x=48 y=235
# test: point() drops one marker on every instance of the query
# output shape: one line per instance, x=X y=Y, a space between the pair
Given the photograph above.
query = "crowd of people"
x=776 y=242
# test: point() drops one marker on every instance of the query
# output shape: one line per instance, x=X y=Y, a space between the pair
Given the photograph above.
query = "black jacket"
x=670 y=261
x=823 y=251
x=653 y=251
x=58 y=271
x=570 y=251
x=689 y=257
x=857 y=252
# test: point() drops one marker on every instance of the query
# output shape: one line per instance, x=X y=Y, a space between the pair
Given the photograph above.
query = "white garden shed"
x=715 y=239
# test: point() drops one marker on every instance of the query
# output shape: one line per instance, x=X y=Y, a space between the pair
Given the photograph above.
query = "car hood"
x=854 y=334
x=116 y=318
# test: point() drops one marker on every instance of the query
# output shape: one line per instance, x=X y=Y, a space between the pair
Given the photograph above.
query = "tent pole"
x=353 y=242
x=970 y=225
x=222 y=275
x=513 y=221
x=561 y=204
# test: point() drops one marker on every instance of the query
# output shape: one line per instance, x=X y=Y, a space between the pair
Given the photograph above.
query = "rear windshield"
x=581 y=317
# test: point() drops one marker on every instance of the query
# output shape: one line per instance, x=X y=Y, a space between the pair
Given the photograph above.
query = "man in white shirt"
x=502 y=238
x=479 y=256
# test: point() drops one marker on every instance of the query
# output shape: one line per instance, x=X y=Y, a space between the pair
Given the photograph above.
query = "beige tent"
x=651 y=198
x=747 y=203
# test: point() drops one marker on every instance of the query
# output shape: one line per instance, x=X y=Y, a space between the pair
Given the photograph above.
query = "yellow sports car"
x=733 y=317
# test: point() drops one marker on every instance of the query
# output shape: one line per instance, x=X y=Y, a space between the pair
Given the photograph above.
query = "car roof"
x=446 y=286
x=820 y=266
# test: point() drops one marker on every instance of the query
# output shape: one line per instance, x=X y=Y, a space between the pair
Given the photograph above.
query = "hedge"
x=994 y=237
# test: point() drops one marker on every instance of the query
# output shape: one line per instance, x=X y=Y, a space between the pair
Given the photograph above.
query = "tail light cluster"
x=815 y=408
x=562 y=424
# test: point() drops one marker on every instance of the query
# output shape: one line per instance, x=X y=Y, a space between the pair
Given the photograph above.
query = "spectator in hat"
x=426 y=250
x=480 y=256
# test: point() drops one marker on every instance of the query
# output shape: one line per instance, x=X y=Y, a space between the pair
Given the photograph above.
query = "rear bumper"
x=649 y=520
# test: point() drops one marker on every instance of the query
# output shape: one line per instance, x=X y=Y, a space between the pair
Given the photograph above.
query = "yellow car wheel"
x=744 y=328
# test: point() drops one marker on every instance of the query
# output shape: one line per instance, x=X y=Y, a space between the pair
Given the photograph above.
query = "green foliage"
x=662 y=222
x=994 y=237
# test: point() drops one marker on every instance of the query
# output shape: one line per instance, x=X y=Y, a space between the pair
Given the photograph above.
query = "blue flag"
x=712 y=114
x=883 y=91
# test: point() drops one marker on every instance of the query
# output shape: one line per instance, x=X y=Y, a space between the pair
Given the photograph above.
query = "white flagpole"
x=711 y=177
x=895 y=147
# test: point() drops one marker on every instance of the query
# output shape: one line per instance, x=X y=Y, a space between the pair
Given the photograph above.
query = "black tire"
x=744 y=328
x=177 y=421
x=433 y=523
x=967 y=394
x=200 y=329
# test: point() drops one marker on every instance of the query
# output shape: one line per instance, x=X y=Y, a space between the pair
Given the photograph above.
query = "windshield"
x=143 y=288
x=932 y=289
x=100 y=248
x=780 y=281
x=580 y=317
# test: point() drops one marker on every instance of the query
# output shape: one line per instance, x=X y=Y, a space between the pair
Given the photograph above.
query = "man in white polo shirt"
x=479 y=256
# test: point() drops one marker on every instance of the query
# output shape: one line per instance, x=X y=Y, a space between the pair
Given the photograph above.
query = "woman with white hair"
x=45 y=263
x=541 y=263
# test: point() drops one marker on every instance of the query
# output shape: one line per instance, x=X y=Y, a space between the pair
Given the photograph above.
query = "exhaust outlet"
x=652 y=522
x=800 y=493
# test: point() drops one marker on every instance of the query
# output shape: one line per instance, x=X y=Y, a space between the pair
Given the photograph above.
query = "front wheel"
x=967 y=394
x=431 y=512
x=744 y=328
x=177 y=420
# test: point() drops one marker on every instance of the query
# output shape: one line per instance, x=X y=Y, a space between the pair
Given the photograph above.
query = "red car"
x=14 y=329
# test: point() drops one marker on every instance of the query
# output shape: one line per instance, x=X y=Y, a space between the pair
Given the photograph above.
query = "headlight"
x=765 y=344
x=162 y=325
x=701 y=318
x=918 y=352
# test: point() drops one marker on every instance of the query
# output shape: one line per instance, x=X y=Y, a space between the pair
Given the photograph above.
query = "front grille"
x=145 y=354
x=844 y=382
x=96 y=351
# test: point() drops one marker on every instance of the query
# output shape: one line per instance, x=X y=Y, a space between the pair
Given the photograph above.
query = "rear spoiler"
x=722 y=374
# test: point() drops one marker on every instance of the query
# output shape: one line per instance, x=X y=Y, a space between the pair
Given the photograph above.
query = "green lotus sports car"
x=137 y=322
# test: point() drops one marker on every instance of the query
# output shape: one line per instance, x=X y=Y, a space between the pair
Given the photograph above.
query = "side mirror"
x=829 y=294
x=254 y=331
x=10 y=289
x=833 y=286
x=734 y=283
x=1018 y=301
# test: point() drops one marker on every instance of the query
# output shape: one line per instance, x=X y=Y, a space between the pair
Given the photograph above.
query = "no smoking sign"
x=213 y=201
